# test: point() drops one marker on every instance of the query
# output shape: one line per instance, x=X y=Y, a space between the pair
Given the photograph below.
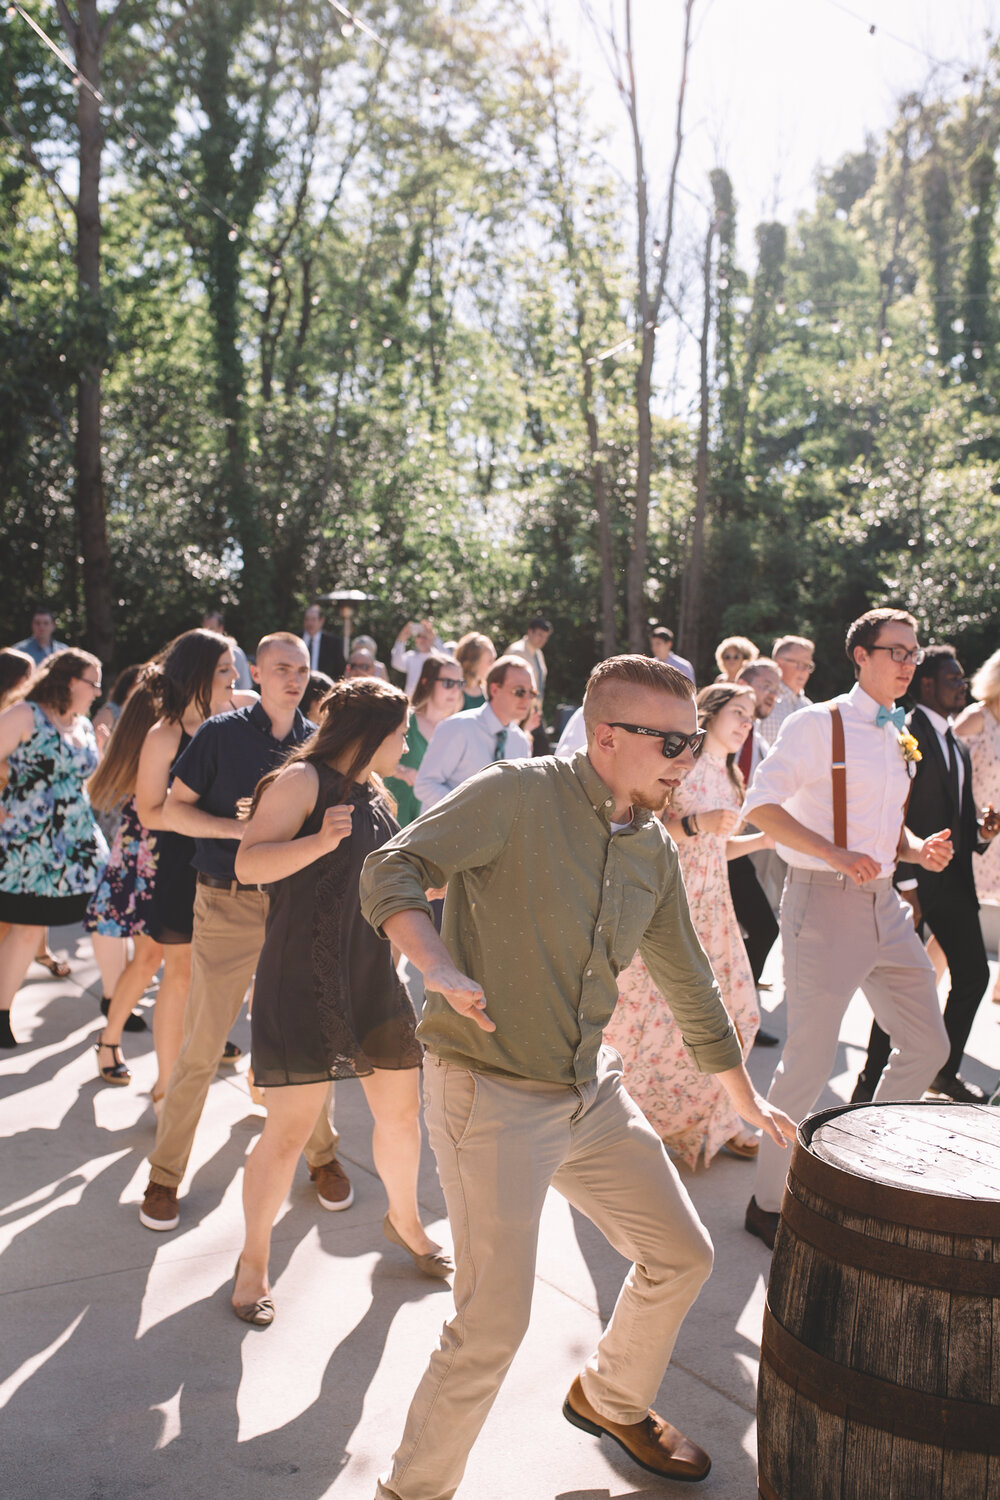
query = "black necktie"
x=949 y=740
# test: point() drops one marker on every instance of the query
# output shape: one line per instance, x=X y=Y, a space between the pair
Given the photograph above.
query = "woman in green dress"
x=437 y=695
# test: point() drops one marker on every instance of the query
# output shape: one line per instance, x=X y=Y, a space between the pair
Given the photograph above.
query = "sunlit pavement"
x=123 y=1371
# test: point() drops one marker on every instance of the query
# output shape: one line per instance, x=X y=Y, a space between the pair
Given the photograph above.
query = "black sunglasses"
x=673 y=741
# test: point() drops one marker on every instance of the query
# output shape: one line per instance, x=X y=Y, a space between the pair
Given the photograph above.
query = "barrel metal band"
x=935 y=1212
x=939 y=1421
x=850 y=1247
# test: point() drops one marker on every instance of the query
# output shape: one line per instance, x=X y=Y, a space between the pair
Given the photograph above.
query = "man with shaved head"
x=557 y=872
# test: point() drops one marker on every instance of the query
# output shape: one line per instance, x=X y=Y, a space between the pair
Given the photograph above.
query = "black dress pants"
x=753 y=912
x=953 y=918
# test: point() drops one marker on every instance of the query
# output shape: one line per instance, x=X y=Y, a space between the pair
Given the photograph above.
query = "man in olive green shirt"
x=557 y=872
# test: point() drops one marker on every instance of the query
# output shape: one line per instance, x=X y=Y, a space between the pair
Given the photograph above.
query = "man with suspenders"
x=833 y=794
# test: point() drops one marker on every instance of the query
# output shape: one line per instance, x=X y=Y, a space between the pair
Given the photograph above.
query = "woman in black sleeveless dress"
x=327 y=1001
x=192 y=679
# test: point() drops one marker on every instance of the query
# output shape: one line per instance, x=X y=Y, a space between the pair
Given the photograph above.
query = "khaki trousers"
x=500 y=1143
x=227 y=938
x=837 y=938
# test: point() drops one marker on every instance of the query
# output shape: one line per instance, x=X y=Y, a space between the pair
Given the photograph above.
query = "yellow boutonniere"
x=909 y=747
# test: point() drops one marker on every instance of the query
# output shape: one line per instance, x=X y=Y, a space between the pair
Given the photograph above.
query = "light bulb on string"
x=780 y=308
x=977 y=351
x=130 y=143
x=386 y=343
x=932 y=349
x=886 y=341
x=11 y=12
x=353 y=323
x=276 y=269
x=182 y=192
x=347 y=30
x=233 y=234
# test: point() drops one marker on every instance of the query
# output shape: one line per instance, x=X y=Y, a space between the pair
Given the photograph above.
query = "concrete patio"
x=124 y=1373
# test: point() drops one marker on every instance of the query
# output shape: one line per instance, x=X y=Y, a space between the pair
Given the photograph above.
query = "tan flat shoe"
x=434 y=1263
x=259 y=1314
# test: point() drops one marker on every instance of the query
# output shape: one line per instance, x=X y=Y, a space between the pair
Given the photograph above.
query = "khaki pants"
x=837 y=938
x=228 y=933
x=499 y=1144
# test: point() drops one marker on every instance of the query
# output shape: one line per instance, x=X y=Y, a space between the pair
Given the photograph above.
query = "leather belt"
x=215 y=883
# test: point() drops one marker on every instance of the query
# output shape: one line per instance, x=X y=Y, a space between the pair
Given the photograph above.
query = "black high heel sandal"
x=118 y=1072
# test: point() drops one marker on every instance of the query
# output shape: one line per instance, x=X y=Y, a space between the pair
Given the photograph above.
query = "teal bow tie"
x=894 y=716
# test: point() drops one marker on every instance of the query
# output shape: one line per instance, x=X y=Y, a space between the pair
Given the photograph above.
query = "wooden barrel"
x=880 y=1357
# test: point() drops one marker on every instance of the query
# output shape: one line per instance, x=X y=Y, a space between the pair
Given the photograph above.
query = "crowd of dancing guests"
x=109 y=817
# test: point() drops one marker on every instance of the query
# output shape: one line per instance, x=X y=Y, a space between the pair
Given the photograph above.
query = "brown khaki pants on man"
x=228 y=933
x=500 y=1143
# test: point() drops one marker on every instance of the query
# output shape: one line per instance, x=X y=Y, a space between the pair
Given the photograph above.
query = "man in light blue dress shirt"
x=470 y=741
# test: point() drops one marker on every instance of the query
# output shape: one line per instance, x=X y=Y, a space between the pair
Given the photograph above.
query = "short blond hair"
x=619 y=673
x=739 y=643
x=985 y=685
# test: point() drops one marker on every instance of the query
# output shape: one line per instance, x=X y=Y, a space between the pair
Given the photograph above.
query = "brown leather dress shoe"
x=761 y=1223
x=653 y=1443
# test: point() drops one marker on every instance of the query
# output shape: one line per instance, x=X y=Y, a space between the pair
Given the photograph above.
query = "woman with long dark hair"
x=189 y=682
x=436 y=696
x=327 y=1000
x=51 y=850
x=690 y=1111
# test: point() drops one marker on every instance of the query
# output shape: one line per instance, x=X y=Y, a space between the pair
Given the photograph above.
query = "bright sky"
x=777 y=87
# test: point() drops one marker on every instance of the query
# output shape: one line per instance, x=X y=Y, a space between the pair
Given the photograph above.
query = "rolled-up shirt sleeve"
x=680 y=969
x=467 y=830
x=798 y=755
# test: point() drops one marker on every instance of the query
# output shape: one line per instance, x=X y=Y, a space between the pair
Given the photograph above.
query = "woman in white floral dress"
x=979 y=726
x=690 y=1111
x=51 y=849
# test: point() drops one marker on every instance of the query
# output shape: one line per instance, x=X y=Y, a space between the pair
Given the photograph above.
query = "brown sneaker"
x=653 y=1443
x=159 y=1207
x=332 y=1187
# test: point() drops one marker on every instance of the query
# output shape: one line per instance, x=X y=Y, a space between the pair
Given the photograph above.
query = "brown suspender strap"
x=839 y=774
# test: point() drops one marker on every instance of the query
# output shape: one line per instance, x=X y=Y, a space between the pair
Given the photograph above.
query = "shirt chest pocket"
x=637 y=906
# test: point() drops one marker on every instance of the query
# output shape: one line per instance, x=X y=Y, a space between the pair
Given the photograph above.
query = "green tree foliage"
x=365 y=322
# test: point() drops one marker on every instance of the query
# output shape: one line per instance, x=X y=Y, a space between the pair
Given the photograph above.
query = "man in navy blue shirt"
x=222 y=766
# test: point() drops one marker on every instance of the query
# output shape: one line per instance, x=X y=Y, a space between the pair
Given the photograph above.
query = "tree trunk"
x=649 y=302
x=689 y=628
x=87 y=42
x=609 y=625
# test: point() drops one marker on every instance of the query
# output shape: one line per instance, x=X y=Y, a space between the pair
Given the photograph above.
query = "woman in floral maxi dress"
x=691 y=1111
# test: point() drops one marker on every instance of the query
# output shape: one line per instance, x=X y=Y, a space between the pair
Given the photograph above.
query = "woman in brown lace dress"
x=327 y=1000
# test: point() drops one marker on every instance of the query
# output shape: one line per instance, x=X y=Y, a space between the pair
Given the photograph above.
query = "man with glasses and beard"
x=558 y=871
x=833 y=794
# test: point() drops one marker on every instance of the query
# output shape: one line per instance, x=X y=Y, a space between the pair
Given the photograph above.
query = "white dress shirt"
x=312 y=644
x=535 y=660
x=680 y=664
x=796 y=775
x=940 y=726
x=573 y=737
x=412 y=662
x=463 y=745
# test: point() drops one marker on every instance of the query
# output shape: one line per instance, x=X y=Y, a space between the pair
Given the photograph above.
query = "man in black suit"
x=945 y=901
x=326 y=652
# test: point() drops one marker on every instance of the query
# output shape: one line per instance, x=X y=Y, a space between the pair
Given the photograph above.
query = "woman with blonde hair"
x=690 y=1111
x=979 y=726
x=327 y=1001
x=475 y=655
x=51 y=849
x=732 y=655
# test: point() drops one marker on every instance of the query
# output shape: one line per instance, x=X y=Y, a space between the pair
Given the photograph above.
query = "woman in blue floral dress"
x=51 y=849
